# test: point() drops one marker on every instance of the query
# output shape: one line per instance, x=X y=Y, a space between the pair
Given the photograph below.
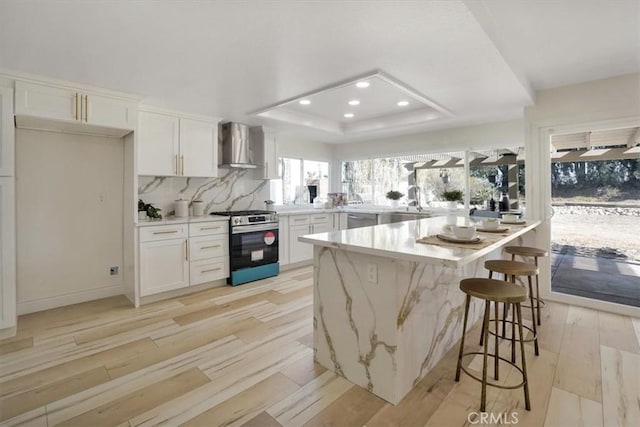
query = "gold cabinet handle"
x=210 y=270
x=209 y=247
x=182 y=165
x=210 y=228
x=176 y=165
x=86 y=108
x=165 y=232
x=266 y=167
x=77 y=106
x=186 y=251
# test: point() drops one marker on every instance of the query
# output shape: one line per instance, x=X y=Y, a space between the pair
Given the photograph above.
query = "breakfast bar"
x=387 y=306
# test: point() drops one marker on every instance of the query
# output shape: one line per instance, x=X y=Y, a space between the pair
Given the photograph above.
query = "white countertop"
x=351 y=209
x=398 y=241
x=181 y=220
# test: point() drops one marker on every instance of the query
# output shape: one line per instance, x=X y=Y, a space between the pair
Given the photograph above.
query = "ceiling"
x=480 y=60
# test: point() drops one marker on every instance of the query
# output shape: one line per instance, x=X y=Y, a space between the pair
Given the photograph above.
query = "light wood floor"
x=243 y=356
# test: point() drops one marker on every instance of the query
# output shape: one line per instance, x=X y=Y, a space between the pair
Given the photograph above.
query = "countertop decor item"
x=152 y=211
x=197 y=207
x=270 y=205
x=394 y=196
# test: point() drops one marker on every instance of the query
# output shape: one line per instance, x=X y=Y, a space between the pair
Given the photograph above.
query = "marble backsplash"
x=235 y=189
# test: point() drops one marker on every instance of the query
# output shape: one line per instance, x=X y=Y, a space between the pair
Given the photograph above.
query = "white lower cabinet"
x=300 y=225
x=7 y=253
x=299 y=251
x=283 y=240
x=164 y=266
x=181 y=255
x=208 y=251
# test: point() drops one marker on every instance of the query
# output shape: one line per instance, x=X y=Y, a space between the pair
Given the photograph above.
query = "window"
x=368 y=181
x=302 y=181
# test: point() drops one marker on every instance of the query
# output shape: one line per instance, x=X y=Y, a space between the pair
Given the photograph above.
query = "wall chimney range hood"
x=237 y=151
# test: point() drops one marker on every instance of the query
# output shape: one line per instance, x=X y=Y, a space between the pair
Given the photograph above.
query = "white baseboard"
x=296 y=265
x=25 y=307
x=184 y=291
x=8 y=332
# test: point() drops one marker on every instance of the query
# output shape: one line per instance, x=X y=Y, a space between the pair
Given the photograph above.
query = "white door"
x=299 y=251
x=163 y=266
x=158 y=144
x=198 y=148
x=109 y=112
x=7 y=130
x=7 y=253
x=47 y=102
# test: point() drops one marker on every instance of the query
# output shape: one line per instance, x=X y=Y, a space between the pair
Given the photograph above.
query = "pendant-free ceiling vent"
x=368 y=102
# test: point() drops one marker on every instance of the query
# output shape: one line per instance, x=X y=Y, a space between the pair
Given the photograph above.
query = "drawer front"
x=208 y=269
x=298 y=220
x=208 y=228
x=208 y=247
x=163 y=232
x=321 y=219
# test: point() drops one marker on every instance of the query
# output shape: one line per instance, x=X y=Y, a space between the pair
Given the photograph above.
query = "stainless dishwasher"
x=357 y=220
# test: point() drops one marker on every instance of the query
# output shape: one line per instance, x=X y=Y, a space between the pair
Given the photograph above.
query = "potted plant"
x=151 y=211
x=394 y=196
x=452 y=197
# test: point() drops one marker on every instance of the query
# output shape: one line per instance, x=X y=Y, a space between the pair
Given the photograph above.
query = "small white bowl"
x=490 y=224
x=464 y=231
x=510 y=217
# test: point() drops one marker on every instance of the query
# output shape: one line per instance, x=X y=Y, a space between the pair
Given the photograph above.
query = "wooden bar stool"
x=496 y=291
x=529 y=252
x=511 y=269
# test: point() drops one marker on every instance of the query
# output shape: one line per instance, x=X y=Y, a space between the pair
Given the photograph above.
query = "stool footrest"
x=489 y=383
x=542 y=303
x=509 y=338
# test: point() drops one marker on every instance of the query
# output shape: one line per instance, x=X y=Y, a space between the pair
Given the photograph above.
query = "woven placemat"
x=434 y=240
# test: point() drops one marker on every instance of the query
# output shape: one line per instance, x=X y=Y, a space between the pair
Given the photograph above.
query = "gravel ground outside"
x=598 y=231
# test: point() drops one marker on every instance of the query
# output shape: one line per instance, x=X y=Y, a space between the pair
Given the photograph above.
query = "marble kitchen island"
x=387 y=308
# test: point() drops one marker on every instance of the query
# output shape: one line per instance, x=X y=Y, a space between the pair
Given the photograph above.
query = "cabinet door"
x=270 y=156
x=343 y=220
x=198 y=148
x=299 y=251
x=163 y=266
x=323 y=227
x=47 y=102
x=7 y=132
x=7 y=254
x=283 y=242
x=109 y=112
x=157 y=144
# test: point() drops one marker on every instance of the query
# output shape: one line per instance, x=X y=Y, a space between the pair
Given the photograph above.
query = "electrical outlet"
x=113 y=271
x=372 y=273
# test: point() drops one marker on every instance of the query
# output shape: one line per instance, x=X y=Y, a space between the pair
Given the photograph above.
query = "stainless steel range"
x=253 y=245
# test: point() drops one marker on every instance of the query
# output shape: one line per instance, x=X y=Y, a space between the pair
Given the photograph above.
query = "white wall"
x=305 y=149
x=602 y=104
x=69 y=205
x=484 y=136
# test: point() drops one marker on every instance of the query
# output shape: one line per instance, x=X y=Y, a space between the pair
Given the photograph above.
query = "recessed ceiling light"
x=362 y=84
x=348 y=115
x=354 y=102
x=305 y=102
x=403 y=103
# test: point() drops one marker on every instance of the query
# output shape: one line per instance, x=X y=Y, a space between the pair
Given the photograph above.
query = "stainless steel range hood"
x=237 y=151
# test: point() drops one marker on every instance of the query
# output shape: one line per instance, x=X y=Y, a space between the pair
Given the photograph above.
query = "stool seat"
x=493 y=290
x=511 y=268
x=525 y=251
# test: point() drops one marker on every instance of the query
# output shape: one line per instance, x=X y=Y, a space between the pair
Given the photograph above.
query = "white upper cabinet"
x=265 y=151
x=158 y=144
x=7 y=138
x=198 y=148
x=41 y=106
x=170 y=145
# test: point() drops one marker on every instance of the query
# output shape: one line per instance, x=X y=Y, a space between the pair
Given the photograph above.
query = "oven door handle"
x=240 y=229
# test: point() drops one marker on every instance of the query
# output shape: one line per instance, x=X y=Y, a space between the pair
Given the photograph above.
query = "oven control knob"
x=237 y=221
